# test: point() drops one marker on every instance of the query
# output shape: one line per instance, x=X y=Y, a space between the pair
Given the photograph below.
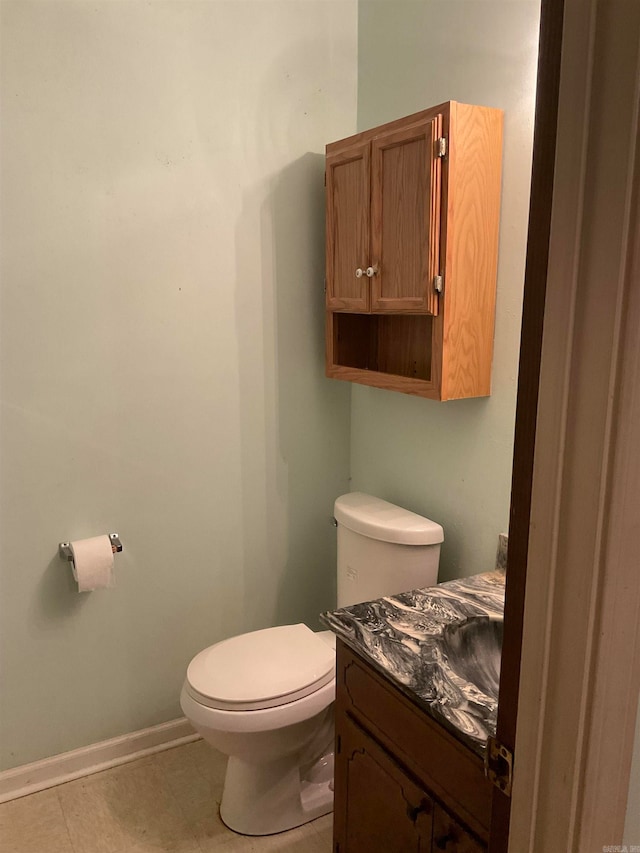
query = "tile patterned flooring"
x=166 y=803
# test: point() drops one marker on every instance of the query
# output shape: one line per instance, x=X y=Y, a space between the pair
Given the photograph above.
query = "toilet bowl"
x=265 y=699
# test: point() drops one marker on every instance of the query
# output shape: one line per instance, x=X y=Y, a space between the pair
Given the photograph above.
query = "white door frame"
x=580 y=666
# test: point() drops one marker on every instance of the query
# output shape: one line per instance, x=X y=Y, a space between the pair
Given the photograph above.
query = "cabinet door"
x=347 y=238
x=405 y=219
x=385 y=811
x=449 y=836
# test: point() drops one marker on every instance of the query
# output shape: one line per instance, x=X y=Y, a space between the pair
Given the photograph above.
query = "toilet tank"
x=383 y=549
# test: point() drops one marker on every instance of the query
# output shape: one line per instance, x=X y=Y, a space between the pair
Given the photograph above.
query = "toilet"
x=265 y=698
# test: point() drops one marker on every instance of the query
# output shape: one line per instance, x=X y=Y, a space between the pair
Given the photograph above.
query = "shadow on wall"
x=57 y=592
x=295 y=422
x=318 y=456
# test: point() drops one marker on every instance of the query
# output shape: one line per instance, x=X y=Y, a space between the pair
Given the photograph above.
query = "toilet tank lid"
x=379 y=519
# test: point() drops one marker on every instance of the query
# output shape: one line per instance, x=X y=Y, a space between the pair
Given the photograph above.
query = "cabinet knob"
x=414 y=812
x=453 y=837
x=371 y=271
x=359 y=273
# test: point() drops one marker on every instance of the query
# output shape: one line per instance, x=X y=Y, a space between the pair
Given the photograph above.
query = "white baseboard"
x=29 y=778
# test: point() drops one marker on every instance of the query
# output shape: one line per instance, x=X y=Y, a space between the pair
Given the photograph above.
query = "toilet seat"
x=262 y=669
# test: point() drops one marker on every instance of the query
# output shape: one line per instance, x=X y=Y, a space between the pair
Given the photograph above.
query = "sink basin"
x=471 y=650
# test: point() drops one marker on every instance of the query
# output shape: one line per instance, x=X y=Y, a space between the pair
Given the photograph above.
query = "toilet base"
x=262 y=799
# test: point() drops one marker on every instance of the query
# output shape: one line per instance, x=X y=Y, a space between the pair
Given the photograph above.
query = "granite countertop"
x=440 y=645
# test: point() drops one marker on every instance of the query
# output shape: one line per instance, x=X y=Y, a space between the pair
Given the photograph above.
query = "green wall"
x=452 y=461
x=162 y=344
x=162 y=330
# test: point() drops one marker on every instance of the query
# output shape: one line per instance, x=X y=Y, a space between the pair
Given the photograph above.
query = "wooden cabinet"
x=450 y=836
x=387 y=810
x=383 y=218
x=402 y=783
x=412 y=233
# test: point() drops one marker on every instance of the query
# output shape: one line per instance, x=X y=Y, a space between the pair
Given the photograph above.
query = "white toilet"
x=265 y=698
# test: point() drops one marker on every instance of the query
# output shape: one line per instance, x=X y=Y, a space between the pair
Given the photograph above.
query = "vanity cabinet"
x=402 y=782
x=412 y=212
x=387 y=810
x=449 y=835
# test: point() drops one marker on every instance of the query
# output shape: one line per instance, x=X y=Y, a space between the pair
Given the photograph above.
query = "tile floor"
x=166 y=802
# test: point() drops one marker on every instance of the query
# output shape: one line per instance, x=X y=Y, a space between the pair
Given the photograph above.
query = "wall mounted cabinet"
x=412 y=212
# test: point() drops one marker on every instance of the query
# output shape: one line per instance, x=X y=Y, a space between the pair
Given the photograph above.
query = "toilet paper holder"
x=64 y=548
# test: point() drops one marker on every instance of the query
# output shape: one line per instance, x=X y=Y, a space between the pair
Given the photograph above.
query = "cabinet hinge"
x=441 y=146
x=338 y=745
x=438 y=283
x=325 y=178
x=498 y=766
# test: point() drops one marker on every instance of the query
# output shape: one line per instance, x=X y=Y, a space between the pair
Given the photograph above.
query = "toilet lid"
x=261 y=669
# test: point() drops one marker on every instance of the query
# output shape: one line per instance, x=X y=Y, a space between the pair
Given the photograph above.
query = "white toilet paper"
x=93 y=563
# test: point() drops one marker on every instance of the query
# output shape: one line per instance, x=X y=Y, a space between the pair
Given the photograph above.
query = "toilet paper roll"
x=93 y=563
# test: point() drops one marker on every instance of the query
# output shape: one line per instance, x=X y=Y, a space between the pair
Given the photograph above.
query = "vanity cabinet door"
x=449 y=836
x=381 y=808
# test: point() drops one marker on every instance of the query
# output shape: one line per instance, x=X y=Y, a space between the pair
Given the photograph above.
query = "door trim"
x=581 y=644
x=537 y=261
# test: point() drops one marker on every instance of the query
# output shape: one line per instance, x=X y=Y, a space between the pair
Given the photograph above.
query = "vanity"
x=416 y=700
